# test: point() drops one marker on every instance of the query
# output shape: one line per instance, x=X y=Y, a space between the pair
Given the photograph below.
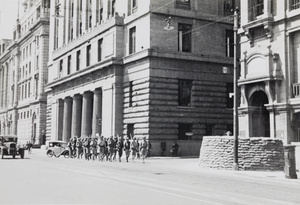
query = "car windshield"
x=56 y=144
x=4 y=139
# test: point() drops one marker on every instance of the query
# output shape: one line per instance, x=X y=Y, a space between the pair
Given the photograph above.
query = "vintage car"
x=9 y=146
x=57 y=148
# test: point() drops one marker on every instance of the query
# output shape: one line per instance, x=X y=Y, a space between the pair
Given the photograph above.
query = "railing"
x=295 y=4
x=296 y=90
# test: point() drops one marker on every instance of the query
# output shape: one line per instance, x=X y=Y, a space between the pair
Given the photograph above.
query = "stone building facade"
x=24 y=74
x=269 y=79
x=115 y=70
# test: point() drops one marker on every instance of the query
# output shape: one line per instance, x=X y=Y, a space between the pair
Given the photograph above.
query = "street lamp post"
x=235 y=78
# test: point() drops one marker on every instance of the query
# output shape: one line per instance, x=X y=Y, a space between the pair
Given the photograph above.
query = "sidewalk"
x=192 y=164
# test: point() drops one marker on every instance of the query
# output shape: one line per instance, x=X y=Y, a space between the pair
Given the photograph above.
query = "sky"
x=8 y=16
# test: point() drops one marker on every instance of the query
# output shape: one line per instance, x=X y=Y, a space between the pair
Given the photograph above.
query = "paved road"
x=38 y=179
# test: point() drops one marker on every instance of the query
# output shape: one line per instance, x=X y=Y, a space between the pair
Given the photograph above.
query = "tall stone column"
x=84 y=16
x=44 y=40
x=60 y=121
x=16 y=93
x=97 y=112
x=67 y=119
x=87 y=112
x=76 y=115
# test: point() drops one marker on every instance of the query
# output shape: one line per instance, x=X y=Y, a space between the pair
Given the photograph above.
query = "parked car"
x=9 y=146
x=57 y=148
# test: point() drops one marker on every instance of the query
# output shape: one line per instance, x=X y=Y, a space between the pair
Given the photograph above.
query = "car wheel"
x=49 y=153
x=2 y=154
x=66 y=154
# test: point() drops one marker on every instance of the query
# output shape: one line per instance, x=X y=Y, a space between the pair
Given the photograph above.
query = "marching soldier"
x=79 y=148
x=119 y=148
x=127 y=148
x=144 y=146
x=101 y=147
x=134 y=148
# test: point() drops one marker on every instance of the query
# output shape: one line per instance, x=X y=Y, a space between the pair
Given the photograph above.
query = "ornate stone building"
x=269 y=81
x=24 y=72
x=114 y=69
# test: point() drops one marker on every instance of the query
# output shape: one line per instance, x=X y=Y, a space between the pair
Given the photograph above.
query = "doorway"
x=260 y=115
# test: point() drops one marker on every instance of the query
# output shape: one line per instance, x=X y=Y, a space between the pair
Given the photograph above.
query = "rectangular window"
x=90 y=21
x=113 y=7
x=130 y=93
x=56 y=33
x=184 y=131
x=69 y=65
x=184 y=37
x=184 y=92
x=100 y=49
x=183 y=4
x=37 y=62
x=28 y=89
x=229 y=92
x=256 y=8
x=229 y=43
x=25 y=94
x=295 y=4
x=101 y=14
x=61 y=68
x=78 y=60
x=37 y=41
x=134 y=4
x=72 y=9
x=88 y=55
x=132 y=40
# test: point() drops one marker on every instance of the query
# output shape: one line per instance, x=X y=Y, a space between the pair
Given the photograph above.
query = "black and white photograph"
x=150 y=102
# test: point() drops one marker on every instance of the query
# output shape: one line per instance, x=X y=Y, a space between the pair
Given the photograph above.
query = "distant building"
x=115 y=70
x=23 y=74
x=269 y=81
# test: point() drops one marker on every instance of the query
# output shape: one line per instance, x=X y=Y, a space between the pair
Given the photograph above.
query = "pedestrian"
x=69 y=145
x=162 y=148
x=111 y=148
x=79 y=148
x=144 y=146
x=29 y=147
x=101 y=147
x=127 y=148
x=93 y=148
x=119 y=148
x=134 y=148
x=73 y=144
x=115 y=153
x=86 y=147
x=106 y=149
x=138 y=149
x=174 y=149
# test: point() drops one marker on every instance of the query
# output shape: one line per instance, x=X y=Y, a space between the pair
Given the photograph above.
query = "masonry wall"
x=254 y=153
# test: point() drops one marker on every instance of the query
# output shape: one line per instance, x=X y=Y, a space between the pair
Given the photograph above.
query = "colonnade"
x=79 y=115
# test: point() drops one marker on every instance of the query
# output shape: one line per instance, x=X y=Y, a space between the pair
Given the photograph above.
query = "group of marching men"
x=107 y=149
